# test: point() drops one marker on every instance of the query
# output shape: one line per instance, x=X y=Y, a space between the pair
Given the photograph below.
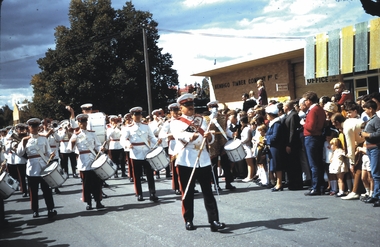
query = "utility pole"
x=147 y=73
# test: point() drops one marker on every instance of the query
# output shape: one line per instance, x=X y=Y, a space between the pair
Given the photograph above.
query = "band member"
x=87 y=143
x=216 y=149
x=158 y=119
x=189 y=130
x=53 y=139
x=167 y=136
x=139 y=139
x=3 y=221
x=115 y=150
x=65 y=133
x=127 y=121
x=38 y=151
x=17 y=164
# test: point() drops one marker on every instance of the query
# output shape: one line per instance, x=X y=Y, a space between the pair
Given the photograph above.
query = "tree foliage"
x=371 y=7
x=6 y=116
x=100 y=59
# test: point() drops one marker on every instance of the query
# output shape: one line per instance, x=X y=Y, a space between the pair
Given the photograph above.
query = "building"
x=350 y=54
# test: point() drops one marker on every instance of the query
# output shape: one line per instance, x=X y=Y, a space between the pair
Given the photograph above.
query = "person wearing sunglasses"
x=36 y=146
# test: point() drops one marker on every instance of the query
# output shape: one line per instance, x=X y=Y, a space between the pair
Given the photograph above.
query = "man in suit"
x=291 y=125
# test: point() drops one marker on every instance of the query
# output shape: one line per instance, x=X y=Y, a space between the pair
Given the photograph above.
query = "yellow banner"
x=347 y=49
x=374 y=44
x=321 y=55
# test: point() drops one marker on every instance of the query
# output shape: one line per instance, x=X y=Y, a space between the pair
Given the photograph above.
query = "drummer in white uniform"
x=140 y=139
x=38 y=150
x=115 y=150
x=53 y=139
x=87 y=145
x=169 y=141
x=189 y=130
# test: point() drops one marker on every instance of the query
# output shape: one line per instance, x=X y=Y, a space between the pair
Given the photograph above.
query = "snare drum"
x=104 y=167
x=8 y=185
x=235 y=150
x=54 y=175
x=158 y=159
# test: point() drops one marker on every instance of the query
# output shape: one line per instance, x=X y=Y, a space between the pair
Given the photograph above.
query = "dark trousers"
x=314 y=152
x=2 y=211
x=167 y=169
x=175 y=182
x=65 y=162
x=33 y=183
x=225 y=164
x=118 y=157
x=293 y=168
x=91 y=185
x=138 y=166
x=18 y=172
x=202 y=175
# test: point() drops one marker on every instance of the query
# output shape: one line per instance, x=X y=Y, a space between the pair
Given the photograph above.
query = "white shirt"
x=85 y=141
x=142 y=139
x=36 y=144
x=188 y=150
x=113 y=138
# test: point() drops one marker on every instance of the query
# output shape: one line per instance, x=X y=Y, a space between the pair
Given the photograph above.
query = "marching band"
x=39 y=152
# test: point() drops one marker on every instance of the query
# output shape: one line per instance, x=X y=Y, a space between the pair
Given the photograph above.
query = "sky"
x=217 y=32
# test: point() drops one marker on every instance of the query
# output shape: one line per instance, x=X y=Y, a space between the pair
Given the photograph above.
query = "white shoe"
x=351 y=196
x=247 y=180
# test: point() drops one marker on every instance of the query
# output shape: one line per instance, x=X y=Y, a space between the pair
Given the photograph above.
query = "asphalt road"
x=254 y=216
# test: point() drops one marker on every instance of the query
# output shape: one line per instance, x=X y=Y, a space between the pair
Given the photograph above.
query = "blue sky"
x=27 y=31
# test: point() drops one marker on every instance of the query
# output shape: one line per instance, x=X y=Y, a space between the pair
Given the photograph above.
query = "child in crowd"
x=338 y=164
x=258 y=147
x=366 y=174
x=327 y=154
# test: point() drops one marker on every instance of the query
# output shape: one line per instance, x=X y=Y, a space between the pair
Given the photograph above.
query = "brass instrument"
x=3 y=166
x=16 y=139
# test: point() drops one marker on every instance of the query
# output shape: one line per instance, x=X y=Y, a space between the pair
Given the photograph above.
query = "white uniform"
x=86 y=144
x=113 y=136
x=163 y=135
x=36 y=144
x=189 y=149
x=140 y=136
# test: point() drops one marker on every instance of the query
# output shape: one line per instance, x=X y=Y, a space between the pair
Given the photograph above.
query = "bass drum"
x=54 y=175
x=235 y=150
x=97 y=123
x=158 y=159
x=104 y=167
x=8 y=185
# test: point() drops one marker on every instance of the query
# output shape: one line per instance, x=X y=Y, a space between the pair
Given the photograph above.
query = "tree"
x=371 y=7
x=100 y=59
x=6 y=116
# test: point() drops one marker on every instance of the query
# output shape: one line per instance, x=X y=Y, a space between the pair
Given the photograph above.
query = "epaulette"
x=91 y=130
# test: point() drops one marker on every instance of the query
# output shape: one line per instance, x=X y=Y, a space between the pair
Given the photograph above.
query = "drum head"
x=51 y=167
x=154 y=152
x=99 y=161
x=232 y=144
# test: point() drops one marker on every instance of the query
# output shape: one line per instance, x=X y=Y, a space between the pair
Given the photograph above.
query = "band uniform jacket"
x=64 y=138
x=217 y=148
x=163 y=135
x=113 y=138
x=86 y=144
x=12 y=157
x=140 y=136
x=36 y=144
x=188 y=150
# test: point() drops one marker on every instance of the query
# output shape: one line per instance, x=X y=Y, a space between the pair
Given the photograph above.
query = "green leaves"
x=100 y=59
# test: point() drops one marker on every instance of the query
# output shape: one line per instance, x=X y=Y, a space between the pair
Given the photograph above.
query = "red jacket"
x=315 y=121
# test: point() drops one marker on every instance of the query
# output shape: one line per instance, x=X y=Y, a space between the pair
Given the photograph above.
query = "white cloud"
x=11 y=96
x=197 y=3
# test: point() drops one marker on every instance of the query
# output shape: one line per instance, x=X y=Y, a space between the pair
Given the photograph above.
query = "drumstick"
x=97 y=155
x=196 y=161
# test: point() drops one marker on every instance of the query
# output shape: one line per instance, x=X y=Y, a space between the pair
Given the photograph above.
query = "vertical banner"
x=334 y=52
x=374 y=44
x=361 y=47
x=347 y=58
x=321 y=55
x=309 y=58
